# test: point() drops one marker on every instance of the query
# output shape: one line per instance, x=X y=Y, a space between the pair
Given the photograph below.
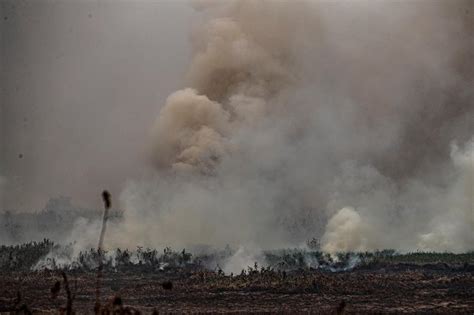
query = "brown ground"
x=382 y=290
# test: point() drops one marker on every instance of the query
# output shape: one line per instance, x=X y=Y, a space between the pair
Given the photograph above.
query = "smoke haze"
x=80 y=80
x=349 y=121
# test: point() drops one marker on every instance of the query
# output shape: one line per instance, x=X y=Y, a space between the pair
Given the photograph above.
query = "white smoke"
x=243 y=258
x=315 y=119
x=419 y=216
x=451 y=227
x=346 y=232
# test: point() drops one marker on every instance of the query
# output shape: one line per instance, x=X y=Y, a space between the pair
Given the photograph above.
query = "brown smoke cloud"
x=348 y=120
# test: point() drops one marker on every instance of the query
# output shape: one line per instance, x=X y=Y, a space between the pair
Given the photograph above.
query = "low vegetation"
x=48 y=255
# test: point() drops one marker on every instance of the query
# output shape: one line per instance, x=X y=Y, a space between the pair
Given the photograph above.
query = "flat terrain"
x=391 y=288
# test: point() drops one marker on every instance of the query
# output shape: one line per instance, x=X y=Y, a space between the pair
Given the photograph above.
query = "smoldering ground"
x=349 y=121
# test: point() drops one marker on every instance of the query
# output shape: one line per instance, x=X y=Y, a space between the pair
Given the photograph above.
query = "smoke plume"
x=349 y=121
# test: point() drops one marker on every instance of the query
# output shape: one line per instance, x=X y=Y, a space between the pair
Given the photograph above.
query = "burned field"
x=389 y=289
x=295 y=280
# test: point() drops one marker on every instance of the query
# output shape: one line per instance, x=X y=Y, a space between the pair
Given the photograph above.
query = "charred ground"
x=146 y=280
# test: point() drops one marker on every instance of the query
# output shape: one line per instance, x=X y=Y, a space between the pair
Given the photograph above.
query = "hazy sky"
x=346 y=120
x=82 y=82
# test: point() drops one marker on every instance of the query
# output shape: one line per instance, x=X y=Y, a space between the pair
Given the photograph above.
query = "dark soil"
x=393 y=288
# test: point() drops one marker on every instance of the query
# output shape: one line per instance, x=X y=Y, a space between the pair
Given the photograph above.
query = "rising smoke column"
x=309 y=119
x=233 y=77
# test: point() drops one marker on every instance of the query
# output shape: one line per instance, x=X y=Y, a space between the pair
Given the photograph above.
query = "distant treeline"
x=48 y=255
x=54 y=221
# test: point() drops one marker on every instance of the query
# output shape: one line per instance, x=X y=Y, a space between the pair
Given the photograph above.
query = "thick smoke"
x=349 y=121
